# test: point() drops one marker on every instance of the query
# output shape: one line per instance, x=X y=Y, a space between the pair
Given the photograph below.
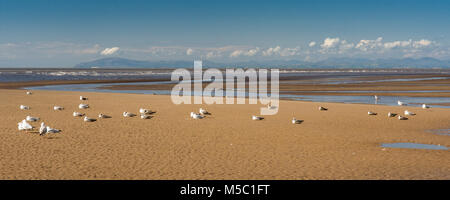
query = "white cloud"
x=189 y=51
x=312 y=44
x=271 y=51
x=365 y=45
x=289 y=51
x=212 y=54
x=422 y=43
x=250 y=52
x=109 y=51
x=330 y=43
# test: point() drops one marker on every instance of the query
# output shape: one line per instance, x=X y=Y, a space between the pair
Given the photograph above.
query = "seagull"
x=296 y=121
x=127 y=114
x=22 y=107
x=58 y=108
x=87 y=119
x=322 y=108
x=376 y=97
x=402 y=118
x=409 y=113
x=401 y=103
x=29 y=93
x=46 y=129
x=83 y=98
x=32 y=119
x=371 y=113
x=103 y=116
x=425 y=106
x=24 y=125
x=391 y=114
x=83 y=106
x=196 y=116
x=42 y=129
x=144 y=116
x=204 y=112
x=77 y=114
x=257 y=118
x=144 y=111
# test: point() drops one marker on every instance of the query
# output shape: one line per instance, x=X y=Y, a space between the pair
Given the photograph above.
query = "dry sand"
x=341 y=143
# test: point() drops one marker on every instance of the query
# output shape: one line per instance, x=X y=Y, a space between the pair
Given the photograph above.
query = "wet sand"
x=341 y=143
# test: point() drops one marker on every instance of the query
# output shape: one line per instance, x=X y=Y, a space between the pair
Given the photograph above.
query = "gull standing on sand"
x=391 y=114
x=425 y=106
x=103 y=116
x=87 y=119
x=203 y=112
x=371 y=113
x=83 y=106
x=144 y=111
x=32 y=119
x=144 y=116
x=256 y=118
x=58 y=108
x=296 y=121
x=77 y=114
x=46 y=129
x=402 y=118
x=322 y=108
x=24 y=125
x=409 y=113
x=83 y=98
x=29 y=93
x=401 y=103
x=22 y=107
x=196 y=116
x=127 y=114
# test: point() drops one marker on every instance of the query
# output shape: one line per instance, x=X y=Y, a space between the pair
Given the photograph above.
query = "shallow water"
x=413 y=146
x=384 y=100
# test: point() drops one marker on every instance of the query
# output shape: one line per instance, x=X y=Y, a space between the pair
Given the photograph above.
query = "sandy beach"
x=341 y=143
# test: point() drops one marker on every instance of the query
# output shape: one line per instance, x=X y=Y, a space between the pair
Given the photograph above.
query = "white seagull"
x=127 y=114
x=425 y=106
x=391 y=114
x=103 y=116
x=46 y=129
x=144 y=111
x=254 y=117
x=402 y=118
x=24 y=125
x=29 y=93
x=83 y=106
x=77 y=114
x=296 y=121
x=401 y=103
x=371 y=113
x=203 y=112
x=322 y=108
x=376 y=97
x=83 y=98
x=58 y=108
x=196 y=116
x=32 y=119
x=87 y=119
x=144 y=116
x=409 y=113
x=22 y=107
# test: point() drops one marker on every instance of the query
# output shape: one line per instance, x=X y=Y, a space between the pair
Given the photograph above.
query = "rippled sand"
x=341 y=143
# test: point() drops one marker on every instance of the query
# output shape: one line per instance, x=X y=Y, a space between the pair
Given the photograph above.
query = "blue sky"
x=41 y=33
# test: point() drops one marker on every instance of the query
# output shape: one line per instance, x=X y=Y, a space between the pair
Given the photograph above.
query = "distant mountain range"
x=115 y=62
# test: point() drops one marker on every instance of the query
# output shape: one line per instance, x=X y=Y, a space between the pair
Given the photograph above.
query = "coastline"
x=225 y=145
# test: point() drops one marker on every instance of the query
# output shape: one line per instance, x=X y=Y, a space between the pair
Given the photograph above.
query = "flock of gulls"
x=24 y=125
x=400 y=103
